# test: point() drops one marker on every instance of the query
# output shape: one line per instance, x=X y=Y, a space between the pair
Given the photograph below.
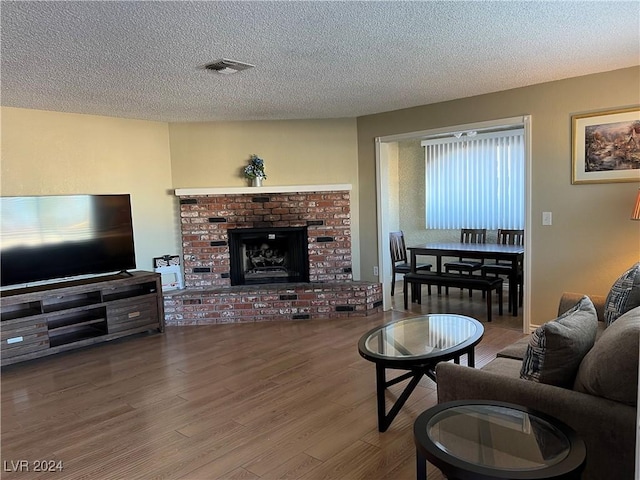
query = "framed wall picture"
x=606 y=147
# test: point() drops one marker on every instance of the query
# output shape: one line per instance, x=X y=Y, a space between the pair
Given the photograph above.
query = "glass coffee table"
x=416 y=344
x=495 y=440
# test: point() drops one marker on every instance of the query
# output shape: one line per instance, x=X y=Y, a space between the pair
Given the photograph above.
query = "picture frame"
x=606 y=146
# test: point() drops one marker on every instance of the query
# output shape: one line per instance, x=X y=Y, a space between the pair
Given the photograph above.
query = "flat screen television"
x=54 y=237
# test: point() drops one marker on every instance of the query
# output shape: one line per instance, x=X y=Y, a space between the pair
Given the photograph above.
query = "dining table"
x=511 y=254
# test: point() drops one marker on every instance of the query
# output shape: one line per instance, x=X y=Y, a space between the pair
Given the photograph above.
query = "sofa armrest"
x=569 y=299
x=607 y=427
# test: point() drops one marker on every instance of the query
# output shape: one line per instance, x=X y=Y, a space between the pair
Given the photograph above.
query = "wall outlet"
x=375 y=271
x=547 y=218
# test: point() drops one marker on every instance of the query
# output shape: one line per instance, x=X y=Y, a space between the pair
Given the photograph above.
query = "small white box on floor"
x=168 y=266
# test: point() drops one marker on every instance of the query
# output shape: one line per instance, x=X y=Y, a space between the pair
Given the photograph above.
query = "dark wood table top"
x=456 y=248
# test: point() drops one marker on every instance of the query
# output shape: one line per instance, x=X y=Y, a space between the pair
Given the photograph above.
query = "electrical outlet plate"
x=375 y=271
x=547 y=218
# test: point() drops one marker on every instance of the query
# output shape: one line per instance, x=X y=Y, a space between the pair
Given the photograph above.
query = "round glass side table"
x=486 y=440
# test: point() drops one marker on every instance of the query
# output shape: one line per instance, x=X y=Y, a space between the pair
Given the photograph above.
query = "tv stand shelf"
x=47 y=319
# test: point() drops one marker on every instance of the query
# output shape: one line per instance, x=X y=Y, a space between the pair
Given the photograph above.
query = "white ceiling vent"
x=226 y=66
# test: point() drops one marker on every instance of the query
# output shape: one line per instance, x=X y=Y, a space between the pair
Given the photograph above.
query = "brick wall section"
x=209 y=297
x=206 y=219
x=259 y=303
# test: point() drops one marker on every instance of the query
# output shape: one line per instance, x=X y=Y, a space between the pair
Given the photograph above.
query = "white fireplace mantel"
x=191 y=192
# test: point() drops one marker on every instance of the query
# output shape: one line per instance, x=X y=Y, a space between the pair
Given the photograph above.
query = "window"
x=475 y=181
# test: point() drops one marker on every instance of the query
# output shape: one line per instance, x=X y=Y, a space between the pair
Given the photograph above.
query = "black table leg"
x=381 y=382
x=421 y=467
x=513 y=287
x=384 y=418
x=471 y=357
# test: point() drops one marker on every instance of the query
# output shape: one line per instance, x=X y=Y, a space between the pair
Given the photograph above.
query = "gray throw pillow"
x=624 y=295
x=556 y=348
x=610 y=369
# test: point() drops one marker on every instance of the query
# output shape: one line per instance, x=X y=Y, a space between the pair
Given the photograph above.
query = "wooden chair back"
x=473 y=235
x=510 y=237
x=398 y=247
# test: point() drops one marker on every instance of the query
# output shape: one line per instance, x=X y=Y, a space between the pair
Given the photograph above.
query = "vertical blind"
x=475 y=182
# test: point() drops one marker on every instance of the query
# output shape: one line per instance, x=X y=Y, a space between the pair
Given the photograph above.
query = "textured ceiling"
x=317 y=59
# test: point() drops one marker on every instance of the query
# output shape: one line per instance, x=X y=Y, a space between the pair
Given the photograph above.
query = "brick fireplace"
x=209 y=216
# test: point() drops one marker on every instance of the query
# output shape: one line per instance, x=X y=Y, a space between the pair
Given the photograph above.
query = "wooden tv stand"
x=47 y=319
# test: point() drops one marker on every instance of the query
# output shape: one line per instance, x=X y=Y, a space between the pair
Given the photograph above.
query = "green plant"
x=255 y=168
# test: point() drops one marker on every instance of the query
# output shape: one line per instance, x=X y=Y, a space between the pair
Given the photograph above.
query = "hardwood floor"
x=283 y=400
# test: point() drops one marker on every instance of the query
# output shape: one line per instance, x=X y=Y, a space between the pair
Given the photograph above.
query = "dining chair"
x=507 y=237
x=467 y=266
x=399 y=262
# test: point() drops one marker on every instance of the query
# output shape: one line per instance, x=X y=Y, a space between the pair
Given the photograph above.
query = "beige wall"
x=592 y=240
x=59 y=153
x=412 y=193
x=50 y=153
x=296 y=152
x=394 y=200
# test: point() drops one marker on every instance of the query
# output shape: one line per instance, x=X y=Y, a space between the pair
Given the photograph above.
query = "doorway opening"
x=391 y=152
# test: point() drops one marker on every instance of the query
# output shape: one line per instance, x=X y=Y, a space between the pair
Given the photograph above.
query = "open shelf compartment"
x=68 y=301
x=80 y=325
x=21 y=310
x=129 y=291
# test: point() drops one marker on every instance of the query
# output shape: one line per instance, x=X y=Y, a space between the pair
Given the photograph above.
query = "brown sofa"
x=606 y=418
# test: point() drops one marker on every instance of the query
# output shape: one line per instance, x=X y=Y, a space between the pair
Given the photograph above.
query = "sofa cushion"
x=507 y=367
x=624 y=295
x=516 y=350
x=556 y=348
x=610 y=369
x=569 y=299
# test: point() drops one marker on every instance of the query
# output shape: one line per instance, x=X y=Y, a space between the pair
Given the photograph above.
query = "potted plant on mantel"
x=255 y=171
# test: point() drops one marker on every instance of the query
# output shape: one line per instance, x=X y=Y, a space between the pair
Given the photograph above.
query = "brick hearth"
x=207 y=214
x=258 y=303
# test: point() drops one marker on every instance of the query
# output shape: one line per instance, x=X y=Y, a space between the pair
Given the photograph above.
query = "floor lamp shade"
x=636 y=210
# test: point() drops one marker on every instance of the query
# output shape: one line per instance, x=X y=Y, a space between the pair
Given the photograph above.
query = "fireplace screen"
x=268 y=255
